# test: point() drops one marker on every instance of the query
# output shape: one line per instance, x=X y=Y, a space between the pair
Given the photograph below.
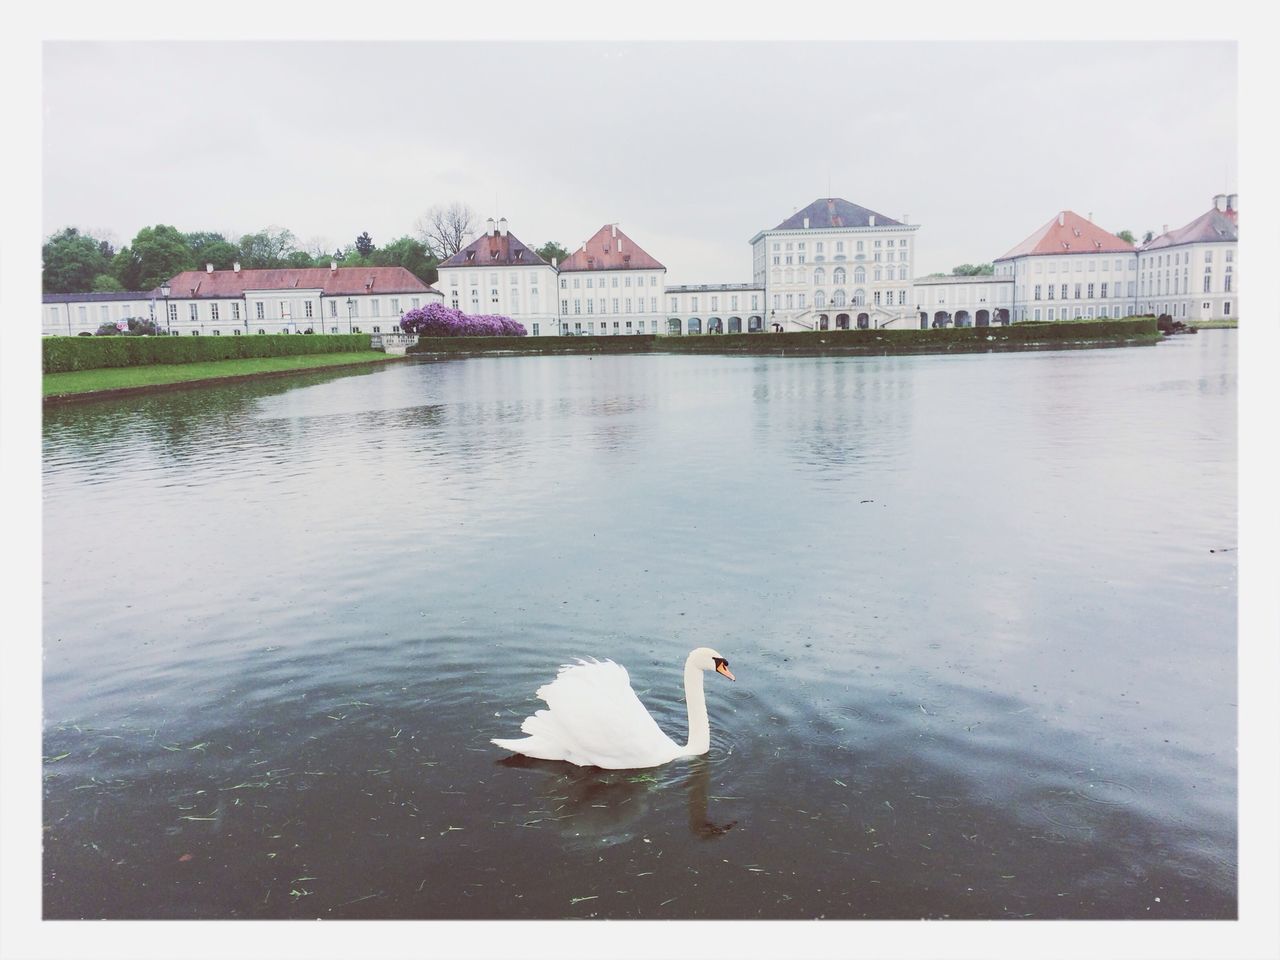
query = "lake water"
x=981 y=610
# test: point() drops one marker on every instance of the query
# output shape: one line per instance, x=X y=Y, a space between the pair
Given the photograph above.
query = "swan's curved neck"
x=696 y=699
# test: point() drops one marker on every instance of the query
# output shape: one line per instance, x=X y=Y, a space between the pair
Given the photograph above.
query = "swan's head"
x=704 y=658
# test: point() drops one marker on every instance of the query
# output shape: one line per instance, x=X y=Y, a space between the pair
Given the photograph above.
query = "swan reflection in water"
x=598 y=806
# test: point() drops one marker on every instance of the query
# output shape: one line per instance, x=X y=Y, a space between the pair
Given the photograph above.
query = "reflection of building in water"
x=834 y=408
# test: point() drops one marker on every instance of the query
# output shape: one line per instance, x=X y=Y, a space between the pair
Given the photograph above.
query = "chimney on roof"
x=1062 y=218
x=1090 y=216
x=1220 y=201
x=208 y=268
x=1233 y=201
x=1164 y=228
x=904 y=219
x=620 y=244
x=806 y=223
x=502 y=227
x=553 y=262
x=333 y=266
x=490 y=228
x=871 y=220
x=615 y=231
x=236 y=266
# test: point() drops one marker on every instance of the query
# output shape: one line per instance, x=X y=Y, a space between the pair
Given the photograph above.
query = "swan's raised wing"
x=593 y=718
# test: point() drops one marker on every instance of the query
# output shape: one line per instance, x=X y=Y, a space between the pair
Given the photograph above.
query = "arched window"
x=791 y=275
x=837 y=276
x=859 y=275
x=837 y=298
x=819 y=299
x=819 y=276
x=859 y=297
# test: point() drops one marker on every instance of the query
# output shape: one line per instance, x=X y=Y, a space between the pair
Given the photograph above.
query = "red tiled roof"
x=1216 y=226
x=344 y=281
x=1066 y=233
x=495 y=250
x=610 y=249
x=835 y=212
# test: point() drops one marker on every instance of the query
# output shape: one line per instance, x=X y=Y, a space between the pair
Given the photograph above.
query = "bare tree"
x=445 y=229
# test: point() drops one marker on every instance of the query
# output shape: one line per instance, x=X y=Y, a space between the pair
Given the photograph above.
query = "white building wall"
x=965 y=301
x=714 y=308
x=1193 y=281
x=611 y=302
x=85 y=316
x=523 y=292
x=1073 y=286
x=834 y=270
x=291 y=311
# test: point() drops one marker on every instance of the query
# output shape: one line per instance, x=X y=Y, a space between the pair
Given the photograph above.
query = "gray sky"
x=691 y=147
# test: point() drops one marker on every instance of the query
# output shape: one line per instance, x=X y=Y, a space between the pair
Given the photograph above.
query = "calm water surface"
x=978 y=606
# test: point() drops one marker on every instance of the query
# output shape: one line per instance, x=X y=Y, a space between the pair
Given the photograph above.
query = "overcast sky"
x=690 y=147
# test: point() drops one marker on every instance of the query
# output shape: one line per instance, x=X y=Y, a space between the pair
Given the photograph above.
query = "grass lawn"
x=1213 y=324
x=116 y=378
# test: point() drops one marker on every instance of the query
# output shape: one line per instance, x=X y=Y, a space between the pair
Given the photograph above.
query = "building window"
x=1226 y=308
x=306 y=309
x=331 y=330
x=217 y=333
x=1104 y=292
x=1037 y=289
x=1051 y=289
x=193 y=310
x=1090 y=291
x=1208 y=282
x=261 y=310
x=577 y=306
x=213 y=311
x=235 y=311
x=1226 y=283
x=535 y=330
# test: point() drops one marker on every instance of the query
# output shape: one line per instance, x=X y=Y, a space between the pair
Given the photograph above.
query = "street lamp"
x=350 y=304
x=164 y=292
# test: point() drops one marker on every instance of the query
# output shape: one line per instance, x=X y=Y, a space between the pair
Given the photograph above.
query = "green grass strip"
x=117 y=378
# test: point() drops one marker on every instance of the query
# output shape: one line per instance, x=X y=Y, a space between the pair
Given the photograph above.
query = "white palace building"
x=833 y=265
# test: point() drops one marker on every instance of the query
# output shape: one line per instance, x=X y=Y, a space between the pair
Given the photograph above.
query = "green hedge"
x=64 y=354
x=890 y=340
x=634 y=343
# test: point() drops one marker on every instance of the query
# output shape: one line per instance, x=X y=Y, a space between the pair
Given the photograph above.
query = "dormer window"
x=519 y=254
x=471 y=255
x=495 y=254
x=626 y=258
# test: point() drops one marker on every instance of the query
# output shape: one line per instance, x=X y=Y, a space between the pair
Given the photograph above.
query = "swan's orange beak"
x=724 y=669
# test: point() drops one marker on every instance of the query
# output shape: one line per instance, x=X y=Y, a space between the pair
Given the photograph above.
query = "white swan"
x=594 y=718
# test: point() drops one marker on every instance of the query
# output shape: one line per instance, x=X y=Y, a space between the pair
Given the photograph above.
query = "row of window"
x=819 y=246
x=1092 y=264
x=1169 y=285
x=607 y=281
x=799 y=301
x=714 y=300
x=620 y=305
x=236 y=331
x=1104 y=290
x=1183 y=256
x=284 y=309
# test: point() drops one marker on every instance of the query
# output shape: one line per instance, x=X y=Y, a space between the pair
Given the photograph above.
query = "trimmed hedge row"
x=889 y=340
x=635 y=343
x=64 y=354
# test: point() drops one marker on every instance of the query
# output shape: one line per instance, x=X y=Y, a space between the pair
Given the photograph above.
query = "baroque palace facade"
x=833 y=265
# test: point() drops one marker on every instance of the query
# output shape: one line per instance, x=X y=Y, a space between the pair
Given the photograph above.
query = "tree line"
x=76 y=261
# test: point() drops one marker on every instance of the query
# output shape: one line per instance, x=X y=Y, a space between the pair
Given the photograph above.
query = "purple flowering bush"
x=437 y=320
